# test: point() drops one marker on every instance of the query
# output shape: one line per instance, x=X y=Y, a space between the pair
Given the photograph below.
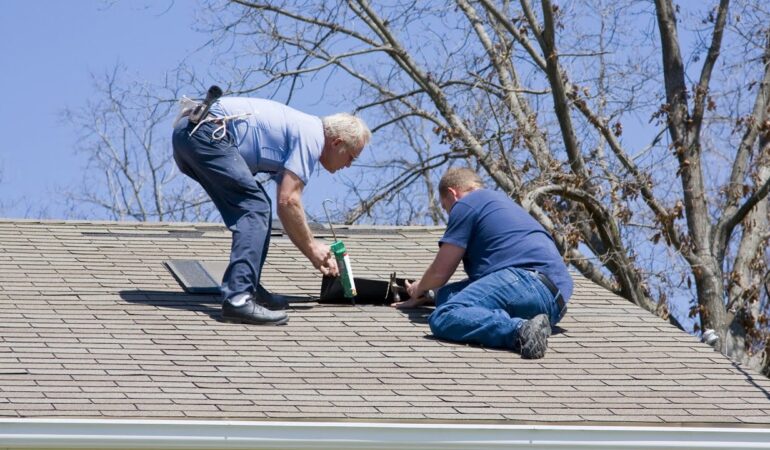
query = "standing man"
x=239 y=138
x=518 y=284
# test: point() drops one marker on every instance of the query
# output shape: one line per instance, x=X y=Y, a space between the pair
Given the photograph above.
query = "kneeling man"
x=518 y=285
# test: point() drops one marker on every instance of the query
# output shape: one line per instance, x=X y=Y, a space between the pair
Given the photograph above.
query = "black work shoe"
x=533 y=337
x=250 y=312
x=273 y=302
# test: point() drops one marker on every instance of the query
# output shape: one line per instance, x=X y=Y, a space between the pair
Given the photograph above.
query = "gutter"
x=192 y=434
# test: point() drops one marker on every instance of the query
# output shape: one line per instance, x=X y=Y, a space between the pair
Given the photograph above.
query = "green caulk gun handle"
x=346 y=271
x=343 y=261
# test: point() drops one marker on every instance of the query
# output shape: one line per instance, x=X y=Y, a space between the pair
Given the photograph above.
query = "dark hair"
x=460 y=178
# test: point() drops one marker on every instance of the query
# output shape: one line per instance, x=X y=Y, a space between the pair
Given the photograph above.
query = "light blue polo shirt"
x=273 y=137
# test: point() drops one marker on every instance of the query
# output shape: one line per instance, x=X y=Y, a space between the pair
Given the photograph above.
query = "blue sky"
x=50 y=49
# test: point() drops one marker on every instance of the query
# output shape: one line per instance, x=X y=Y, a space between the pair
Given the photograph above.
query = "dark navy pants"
x=242 y=202
x=491 y=310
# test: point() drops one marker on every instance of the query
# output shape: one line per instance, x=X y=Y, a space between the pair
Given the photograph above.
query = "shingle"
x=110 y=324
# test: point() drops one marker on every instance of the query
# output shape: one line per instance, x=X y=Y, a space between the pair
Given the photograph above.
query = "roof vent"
x=193 y=276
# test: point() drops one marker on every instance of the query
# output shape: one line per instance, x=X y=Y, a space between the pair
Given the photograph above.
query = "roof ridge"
x=131 y=223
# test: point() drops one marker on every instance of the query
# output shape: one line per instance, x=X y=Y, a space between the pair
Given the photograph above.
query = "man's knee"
x=435 y=321
x=253 y=222
x=441 y=318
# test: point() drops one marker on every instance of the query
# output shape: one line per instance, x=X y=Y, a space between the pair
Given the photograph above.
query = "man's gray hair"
x=351 y=129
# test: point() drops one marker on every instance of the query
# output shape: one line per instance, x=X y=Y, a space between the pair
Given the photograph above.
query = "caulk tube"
x=346 y=271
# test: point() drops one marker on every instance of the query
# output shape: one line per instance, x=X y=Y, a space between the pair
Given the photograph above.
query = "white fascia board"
x=176 y=434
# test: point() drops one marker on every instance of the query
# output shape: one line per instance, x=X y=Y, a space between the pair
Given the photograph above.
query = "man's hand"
x=413 y=289
x=411 y=303
x=322 y=259
x=416 y=297
x=437 y=274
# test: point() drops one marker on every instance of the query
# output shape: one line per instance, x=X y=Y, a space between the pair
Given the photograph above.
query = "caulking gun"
x=343 y=261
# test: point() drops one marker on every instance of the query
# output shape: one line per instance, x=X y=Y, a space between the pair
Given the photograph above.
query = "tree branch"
x=708 y=66
x=733 y=213
x=532 y=136
x=511 y=28
x=559 y=93
x=306 y=19
x=571 y=254
x=402 y=58
x=606 y=227
x=403 y=180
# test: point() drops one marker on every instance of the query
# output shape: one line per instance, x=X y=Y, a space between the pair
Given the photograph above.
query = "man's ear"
x=453 y=193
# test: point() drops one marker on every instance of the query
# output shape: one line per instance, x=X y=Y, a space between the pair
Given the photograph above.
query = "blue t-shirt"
x=497 y=233
x=273 y=137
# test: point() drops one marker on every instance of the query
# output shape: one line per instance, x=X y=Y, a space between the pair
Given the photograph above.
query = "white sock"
x=239 y=299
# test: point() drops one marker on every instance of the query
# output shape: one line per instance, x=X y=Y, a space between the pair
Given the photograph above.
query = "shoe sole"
x=251 y=322
x=536 y=347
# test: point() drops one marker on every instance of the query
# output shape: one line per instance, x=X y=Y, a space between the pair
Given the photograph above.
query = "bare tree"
x=706 y=242
x=641 y=161
x=125 y=132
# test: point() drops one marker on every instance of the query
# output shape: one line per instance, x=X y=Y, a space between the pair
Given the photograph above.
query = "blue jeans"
x=491 y=310
x=242 y=202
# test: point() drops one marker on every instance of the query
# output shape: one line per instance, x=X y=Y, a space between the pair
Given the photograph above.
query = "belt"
x=554 y=291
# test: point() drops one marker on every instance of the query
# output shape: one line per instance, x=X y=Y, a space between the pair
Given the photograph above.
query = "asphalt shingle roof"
x=92 y=325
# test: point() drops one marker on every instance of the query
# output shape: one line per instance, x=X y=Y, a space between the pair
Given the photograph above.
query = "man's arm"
x=292 y=215
x=438 y=273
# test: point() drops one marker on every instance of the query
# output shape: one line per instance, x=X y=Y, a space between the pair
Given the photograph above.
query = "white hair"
x=351 y=129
